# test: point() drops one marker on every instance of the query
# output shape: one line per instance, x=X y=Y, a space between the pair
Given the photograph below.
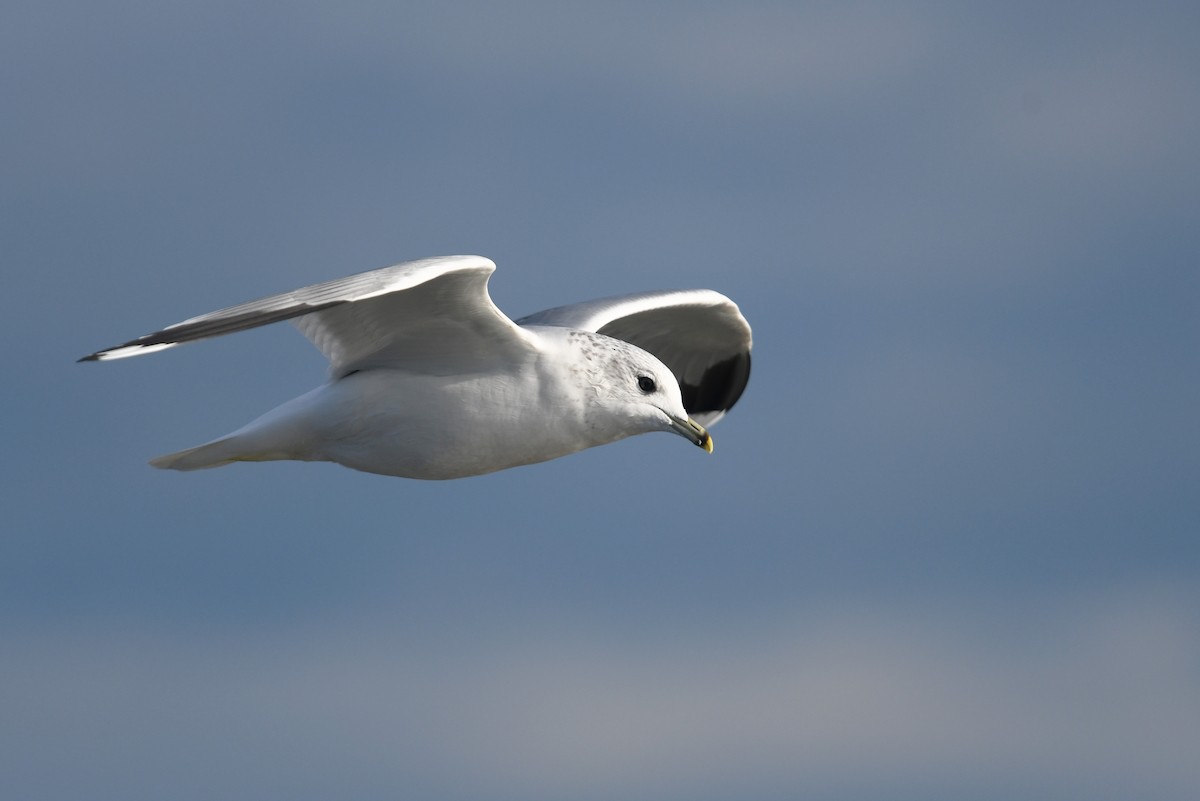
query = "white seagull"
x=430 y=380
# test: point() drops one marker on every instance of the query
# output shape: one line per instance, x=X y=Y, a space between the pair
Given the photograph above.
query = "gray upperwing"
x=361 y=288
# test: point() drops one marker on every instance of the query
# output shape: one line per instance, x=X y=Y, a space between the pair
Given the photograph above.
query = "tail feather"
x=211 y=454
x=283 y=433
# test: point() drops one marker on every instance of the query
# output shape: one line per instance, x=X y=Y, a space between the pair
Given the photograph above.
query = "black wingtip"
x=720 y=387
x=94 y=357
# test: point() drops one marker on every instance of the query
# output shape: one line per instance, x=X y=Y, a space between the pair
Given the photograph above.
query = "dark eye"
x=646 y=384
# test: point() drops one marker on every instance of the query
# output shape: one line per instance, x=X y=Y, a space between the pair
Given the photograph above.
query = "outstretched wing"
x=416 y=314
x=699 y=334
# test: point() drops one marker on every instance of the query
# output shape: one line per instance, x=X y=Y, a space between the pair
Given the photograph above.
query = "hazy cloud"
x=1100 y=693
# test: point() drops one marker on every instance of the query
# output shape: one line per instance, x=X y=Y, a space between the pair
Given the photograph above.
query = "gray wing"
x=427 y=312
x=699 y=334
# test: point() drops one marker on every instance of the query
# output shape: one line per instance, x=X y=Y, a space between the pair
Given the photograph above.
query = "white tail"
x=211 y=454
x=283 y=433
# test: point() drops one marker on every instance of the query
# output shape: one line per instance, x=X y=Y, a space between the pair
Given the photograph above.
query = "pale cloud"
x=1095 y=695
x=755 y=55
x=790 y=54
x=1110 y=108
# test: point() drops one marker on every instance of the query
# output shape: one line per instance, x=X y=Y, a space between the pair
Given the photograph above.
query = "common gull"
x=430 y=380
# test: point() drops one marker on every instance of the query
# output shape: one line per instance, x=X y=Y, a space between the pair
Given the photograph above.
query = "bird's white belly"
x=420 y=426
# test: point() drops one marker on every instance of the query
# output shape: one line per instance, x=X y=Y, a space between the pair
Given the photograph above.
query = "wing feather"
x=371 y=318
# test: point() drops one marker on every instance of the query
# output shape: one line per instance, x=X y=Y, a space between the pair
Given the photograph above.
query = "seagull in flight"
x=429 y=380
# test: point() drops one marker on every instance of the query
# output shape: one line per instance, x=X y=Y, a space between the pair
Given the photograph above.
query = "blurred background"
x=946 y=546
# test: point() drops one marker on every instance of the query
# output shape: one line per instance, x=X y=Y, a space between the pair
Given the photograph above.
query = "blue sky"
x=946 y=546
